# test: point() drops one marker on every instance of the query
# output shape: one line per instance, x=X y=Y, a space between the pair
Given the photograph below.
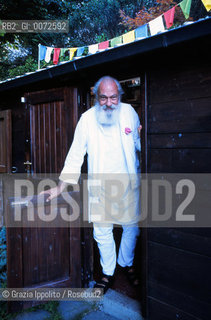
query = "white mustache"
x=113 y=106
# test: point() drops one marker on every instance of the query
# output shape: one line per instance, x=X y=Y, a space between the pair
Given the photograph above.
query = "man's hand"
x=139 y=130
x=54 y=192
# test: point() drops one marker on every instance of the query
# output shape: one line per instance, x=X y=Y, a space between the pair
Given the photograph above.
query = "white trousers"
x=103 y=234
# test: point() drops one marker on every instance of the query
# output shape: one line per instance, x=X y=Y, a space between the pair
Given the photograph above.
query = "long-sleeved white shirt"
x=88 y=139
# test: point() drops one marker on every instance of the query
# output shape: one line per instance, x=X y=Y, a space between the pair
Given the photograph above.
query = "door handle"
x=28 y=164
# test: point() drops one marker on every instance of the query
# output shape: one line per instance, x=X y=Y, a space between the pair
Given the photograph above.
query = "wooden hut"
x=167 y=78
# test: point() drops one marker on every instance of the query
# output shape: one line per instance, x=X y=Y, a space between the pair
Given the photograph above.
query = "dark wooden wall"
x=179 y=120
x=179 y=141
x=5 y=141
x=13 y=102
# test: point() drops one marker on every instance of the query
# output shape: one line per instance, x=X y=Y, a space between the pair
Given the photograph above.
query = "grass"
x=50 y=306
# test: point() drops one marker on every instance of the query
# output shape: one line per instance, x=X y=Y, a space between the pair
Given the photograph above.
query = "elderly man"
x=110 y=134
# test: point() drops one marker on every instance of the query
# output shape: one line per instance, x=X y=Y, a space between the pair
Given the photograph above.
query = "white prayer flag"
x=156 y=25
x=93 y=48
x=48 y=54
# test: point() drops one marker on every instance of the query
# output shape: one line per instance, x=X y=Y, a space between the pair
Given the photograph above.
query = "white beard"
x=106 y=116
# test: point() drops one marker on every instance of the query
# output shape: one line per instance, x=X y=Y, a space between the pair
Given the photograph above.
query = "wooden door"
x=5 y=141
x=45 y=256
x=39 y=256
x=53 y=115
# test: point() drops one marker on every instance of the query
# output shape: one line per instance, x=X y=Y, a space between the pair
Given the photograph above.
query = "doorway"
x=133 y=94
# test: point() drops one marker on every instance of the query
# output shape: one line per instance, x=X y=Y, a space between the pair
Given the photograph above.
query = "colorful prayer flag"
x=72 y=52
x=56 y=55
x=93 y=48
x=48 y=54
x=156 y=25
x=169 y=17
x=63 y=51
x=141 y=32
x=185 y=6
x=207 y=4
x=80 y=51
x=128 y=37
x=42 y=52
x=116 y=41
x=103 y=45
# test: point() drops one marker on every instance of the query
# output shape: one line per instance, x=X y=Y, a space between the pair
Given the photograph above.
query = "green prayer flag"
x=116 y=41
x=63 y=51
x=185 y=6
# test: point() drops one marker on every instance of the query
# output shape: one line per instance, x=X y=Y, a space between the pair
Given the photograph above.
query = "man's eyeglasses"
x=113 y=98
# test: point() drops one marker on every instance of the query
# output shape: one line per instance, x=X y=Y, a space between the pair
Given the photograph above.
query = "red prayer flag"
x=103 y=45
x=56 y=55
x=169 y=17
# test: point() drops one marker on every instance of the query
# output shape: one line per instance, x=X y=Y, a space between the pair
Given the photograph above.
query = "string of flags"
x=153 y=27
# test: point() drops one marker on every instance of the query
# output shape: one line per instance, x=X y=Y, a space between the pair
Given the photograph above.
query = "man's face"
x=108 y=94
x=108 y=103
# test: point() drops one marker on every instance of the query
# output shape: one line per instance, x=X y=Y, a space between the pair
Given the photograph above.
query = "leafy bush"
x=3 y=257
x=29 y=66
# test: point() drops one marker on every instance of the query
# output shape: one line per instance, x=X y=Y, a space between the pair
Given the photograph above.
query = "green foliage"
x=91 y=19
x=20 y=67
x=30 y=65
x=51 y=307
x=3 y=272
x=31 y=10
x=3 y=257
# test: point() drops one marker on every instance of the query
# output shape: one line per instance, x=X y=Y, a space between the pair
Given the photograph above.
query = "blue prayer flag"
x=42 y=52
x=80 y=51
x=141 y=32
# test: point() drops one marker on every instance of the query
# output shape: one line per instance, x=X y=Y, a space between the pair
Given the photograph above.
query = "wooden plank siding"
x=179 y=141
x=5 y=141
x=49 y=139
x=53 y=118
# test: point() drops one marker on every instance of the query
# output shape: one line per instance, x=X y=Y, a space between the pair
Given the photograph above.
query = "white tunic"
x=111 y=142
x=112 y=159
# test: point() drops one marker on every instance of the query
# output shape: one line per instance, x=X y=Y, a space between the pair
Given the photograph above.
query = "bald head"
x=108 y=84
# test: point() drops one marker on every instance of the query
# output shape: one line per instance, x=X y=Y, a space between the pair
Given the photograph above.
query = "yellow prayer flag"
x=72 y=52
x=129 y=37
x=207 y=4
